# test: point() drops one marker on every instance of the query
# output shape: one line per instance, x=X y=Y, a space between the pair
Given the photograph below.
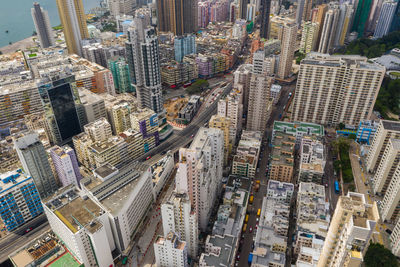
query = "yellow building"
x=223 y=123
x=73 y=21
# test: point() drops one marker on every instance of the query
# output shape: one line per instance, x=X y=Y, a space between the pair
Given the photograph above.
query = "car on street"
x=149 y=157
x=192 y=136
x=27 y=230
x=238 y=257
x=257 y=219
x=250 y=229
x=164 y=152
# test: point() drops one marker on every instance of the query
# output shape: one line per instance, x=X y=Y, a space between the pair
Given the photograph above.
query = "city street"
x=18 y=238
x=246 y=246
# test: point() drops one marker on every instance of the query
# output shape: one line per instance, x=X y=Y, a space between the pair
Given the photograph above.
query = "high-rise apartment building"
x=66 y=165
x=309 y=37
x=99 y=130
x=200 y=172
x=19 y=199
x=242 y=77
x=170 y=251
x=350 y=231
x=386 y=130
x=144 y=64
x=119 y=116
x=387 y=181
x=319 y=17
x=73 y=20
x=243 y=8
x=42 y=25
x=120 y=72
x=385 y=18
x=224 y=124
x=334 y=89
x=177 y=16
x=265 y=9
x=361 y=16
x=245 y=161
x=18 y=100
x=82 y=143
x=288 y=47
x=34 y=160
x=386 y=170
x=328 y=29
x=93 y=106
x=346 y=12
x=231 y=107
x=184 y=45
x=178 y=217
x=260 y=104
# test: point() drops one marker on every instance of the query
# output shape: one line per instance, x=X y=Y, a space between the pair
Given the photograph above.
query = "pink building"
x=203 y=14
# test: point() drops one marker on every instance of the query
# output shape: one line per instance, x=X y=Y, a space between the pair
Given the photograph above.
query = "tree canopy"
x=373 y=48
x=389 y=97
x=378 y=255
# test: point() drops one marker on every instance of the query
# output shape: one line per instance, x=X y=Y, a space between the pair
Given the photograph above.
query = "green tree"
x=378 y=255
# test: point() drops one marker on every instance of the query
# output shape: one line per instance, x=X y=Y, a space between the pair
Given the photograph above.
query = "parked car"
x=250 y=229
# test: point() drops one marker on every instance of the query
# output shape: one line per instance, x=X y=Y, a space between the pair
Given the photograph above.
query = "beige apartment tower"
x=288 y=47
x=349 y=233
x=73 y=21
x=334 y=89
x=387 y=181
x=386 y=130
x=260 y=104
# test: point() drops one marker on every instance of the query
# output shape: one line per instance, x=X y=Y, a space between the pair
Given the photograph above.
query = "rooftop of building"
x=264 y=252
x=293 y=127
x=103 y=172
x=143 y=114
x=173 y=238
x=279 y=189
x=391 y=125
x=395 y=144
x=340 y=60
x=75 y=210
x=363 y=213
x=100 y=147
x=226 y=254
x=46 y=250
x=230 y=215
x=159 y=167
x=12 y=179
x=283 y=149
x=88 y=97
x=115 y=191
x=99 y=123
x=61 y=151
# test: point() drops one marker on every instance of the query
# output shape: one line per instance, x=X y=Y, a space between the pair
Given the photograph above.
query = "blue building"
x=19 y=199
x=184 y=45
x=366 y=131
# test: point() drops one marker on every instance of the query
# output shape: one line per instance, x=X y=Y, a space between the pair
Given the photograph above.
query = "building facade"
x=42 y=25
x=326 y=96
x=19 y=199
x=34 y=160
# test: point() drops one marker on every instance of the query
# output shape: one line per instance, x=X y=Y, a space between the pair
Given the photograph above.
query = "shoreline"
x=20 y=45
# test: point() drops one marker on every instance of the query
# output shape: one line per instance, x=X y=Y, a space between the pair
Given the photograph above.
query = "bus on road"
x=337 y=191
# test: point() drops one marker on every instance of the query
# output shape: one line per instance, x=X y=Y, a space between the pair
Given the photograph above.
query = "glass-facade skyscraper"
x=62 y=107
